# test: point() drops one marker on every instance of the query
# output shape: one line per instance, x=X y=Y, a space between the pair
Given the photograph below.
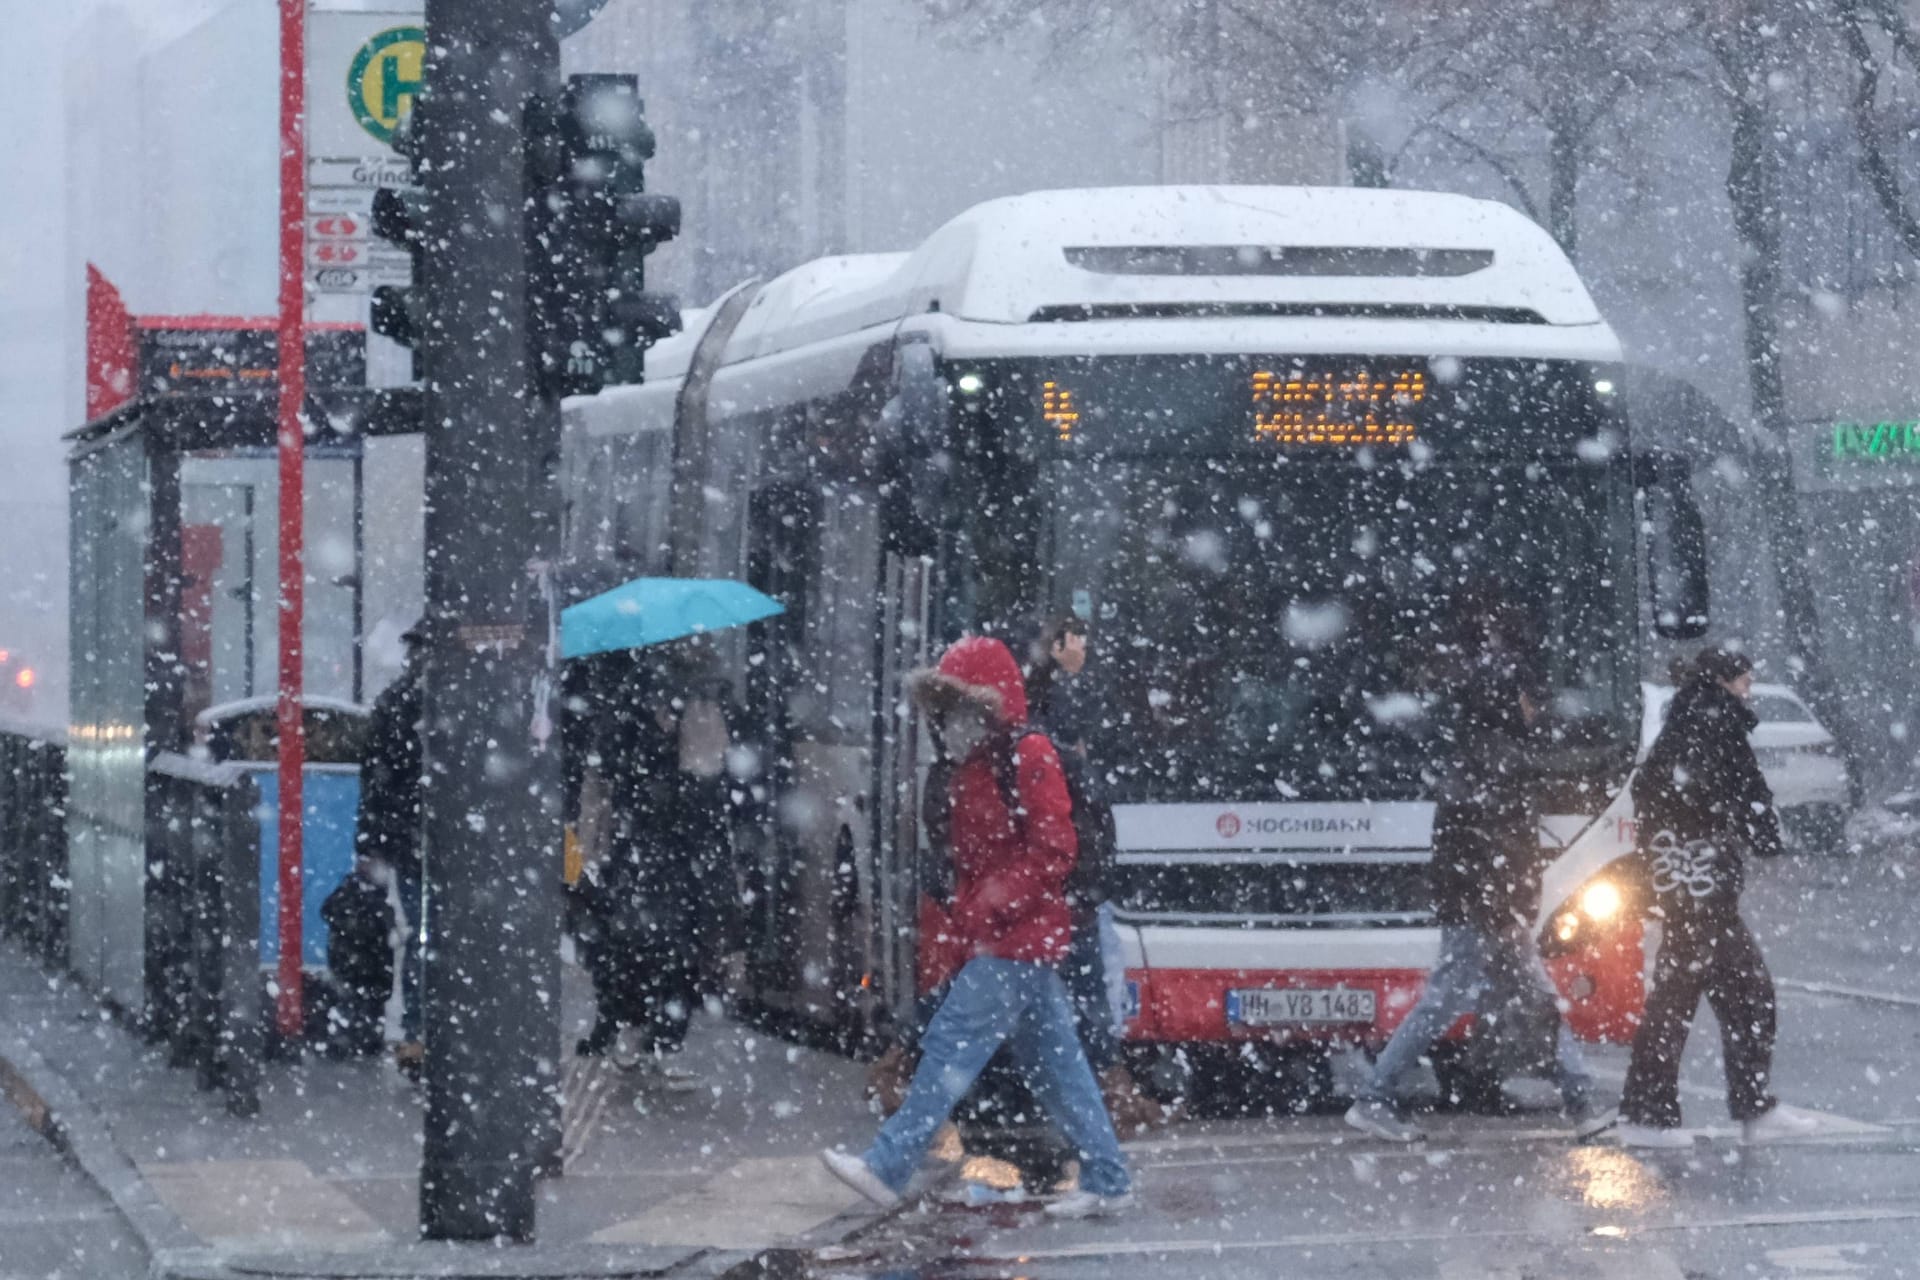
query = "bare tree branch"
x=1880 y=175
x=1491 y=159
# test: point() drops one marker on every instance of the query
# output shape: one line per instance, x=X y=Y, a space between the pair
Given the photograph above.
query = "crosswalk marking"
x=1633 y=1263
x=1820 y=1259
x=260 y=1201
x=1850 y=993
x=585 y=1089
x=1831 y=1124
x=754 y=1204
x=1309 y=1141
x=1471 y=1269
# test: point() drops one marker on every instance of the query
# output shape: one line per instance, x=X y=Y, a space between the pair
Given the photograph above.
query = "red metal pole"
x=292 y=445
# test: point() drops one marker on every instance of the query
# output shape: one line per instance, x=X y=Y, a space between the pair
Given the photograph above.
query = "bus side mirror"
x=1676 y=545
x=914 y=453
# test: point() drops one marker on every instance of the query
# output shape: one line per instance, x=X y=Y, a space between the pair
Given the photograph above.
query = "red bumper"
x=1602 y=984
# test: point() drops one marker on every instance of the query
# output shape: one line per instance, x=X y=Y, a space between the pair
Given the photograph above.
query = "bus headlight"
x=1594 y=911
x=1600 y=900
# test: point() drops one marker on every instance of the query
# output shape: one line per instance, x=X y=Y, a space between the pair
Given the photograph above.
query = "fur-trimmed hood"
x=976 y=672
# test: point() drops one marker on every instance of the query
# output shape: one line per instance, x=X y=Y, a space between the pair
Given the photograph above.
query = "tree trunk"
x=1563 y=180
x=1753 y=191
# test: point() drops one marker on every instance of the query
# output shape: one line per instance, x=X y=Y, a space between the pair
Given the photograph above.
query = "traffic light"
x=396 y=307
x=593 y=224
x=398 y=216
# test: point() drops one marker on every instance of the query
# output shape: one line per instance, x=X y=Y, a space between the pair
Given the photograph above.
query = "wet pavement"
x=1481 y=1198
x=730 y=1167
x=1512 y=1197
x=54 y=1224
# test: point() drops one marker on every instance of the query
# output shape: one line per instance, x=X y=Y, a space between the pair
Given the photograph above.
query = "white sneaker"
x=1383 y=1120
x=656 y=1074
x=854 y=1171
x=1590 y=1123
x=674 y=1079
x=1085 y=1204
x=627 y=1053
x=1648 y=1137
x=1779 y=1123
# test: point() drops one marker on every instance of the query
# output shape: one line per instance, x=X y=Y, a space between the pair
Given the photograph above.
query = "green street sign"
x=384 y=77
x=1885 y=442
x=1841 y=456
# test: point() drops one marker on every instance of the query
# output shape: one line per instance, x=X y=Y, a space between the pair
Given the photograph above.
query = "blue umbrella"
x=650 y=611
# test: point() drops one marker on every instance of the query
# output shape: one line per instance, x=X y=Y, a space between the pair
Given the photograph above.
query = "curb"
x=794 y=1259
x=55 y=1111
x=425 y=1260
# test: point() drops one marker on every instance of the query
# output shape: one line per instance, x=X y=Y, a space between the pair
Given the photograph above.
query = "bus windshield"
x=1275 y=628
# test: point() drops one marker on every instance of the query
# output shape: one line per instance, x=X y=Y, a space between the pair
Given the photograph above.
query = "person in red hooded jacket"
x=1013 y=845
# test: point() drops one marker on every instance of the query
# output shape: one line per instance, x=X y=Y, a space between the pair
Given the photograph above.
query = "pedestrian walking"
x=648 y=893
x=996 y=1118
x=1703 y=807
x=703 y=816
x=1056 y=691
x=1011 y=865
x=635 y=893
x=590 y=688
x=388 y=826
x=1484 y=882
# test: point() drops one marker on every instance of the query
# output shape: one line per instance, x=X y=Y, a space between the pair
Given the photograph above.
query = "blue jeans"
x=1471 y=961
x=1025 y=1006
x=410 y=885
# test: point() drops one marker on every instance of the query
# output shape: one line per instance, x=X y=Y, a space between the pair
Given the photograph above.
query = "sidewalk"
x=324 y=1180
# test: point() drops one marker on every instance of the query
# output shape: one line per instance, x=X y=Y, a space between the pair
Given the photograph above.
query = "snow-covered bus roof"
x=1182 y=269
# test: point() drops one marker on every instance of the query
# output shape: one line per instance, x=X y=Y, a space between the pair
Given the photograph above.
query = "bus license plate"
x=1274 y=1007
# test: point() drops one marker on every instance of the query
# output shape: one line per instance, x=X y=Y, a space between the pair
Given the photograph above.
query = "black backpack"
x=359 y=962
x=1088 y=882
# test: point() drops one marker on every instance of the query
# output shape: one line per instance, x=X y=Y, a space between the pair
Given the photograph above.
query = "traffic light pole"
x=493 y=788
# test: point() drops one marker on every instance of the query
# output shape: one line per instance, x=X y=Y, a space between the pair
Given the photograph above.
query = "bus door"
x=899 y=768
x=781 y=551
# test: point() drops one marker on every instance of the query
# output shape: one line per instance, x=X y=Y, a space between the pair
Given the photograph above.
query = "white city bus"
x=1271 y=442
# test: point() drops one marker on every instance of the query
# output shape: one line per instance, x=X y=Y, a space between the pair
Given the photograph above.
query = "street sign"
x=357 y=171
x=336 y=253
x=354 y=200
x=348 y=267
x=339 y=280
x=331 y=227
x=171 y=358
x=365 y=60
x=363 y=69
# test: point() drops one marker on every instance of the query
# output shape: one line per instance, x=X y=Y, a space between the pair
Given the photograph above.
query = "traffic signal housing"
x=397 y=311
x=592 y=225
x=399 y=217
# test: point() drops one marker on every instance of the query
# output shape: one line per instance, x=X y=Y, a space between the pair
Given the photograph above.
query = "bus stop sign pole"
x=292 y=445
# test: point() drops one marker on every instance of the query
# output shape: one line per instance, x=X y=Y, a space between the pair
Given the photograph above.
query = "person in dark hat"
x=388 y=830
x=1702 y=805
x=1485 y=890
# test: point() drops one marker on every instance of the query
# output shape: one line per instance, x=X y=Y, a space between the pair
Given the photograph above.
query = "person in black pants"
x=1058 y=700
x=1702 y=804
x=638 y=889
x=388 y=827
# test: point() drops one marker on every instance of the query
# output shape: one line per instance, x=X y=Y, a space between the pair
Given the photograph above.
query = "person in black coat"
x=388 y=828
x=1484 y=884
x=642 y=889
x=1702 y=805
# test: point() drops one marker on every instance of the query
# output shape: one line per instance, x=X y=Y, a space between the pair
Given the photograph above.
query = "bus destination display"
x=1349 y=408
x=1310 y=404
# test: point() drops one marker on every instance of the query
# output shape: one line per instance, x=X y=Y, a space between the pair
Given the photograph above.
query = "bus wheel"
x=1305 y=1079
x=1469 y=1082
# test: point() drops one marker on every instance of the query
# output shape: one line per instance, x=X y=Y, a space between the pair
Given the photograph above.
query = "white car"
x=1800 y=759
